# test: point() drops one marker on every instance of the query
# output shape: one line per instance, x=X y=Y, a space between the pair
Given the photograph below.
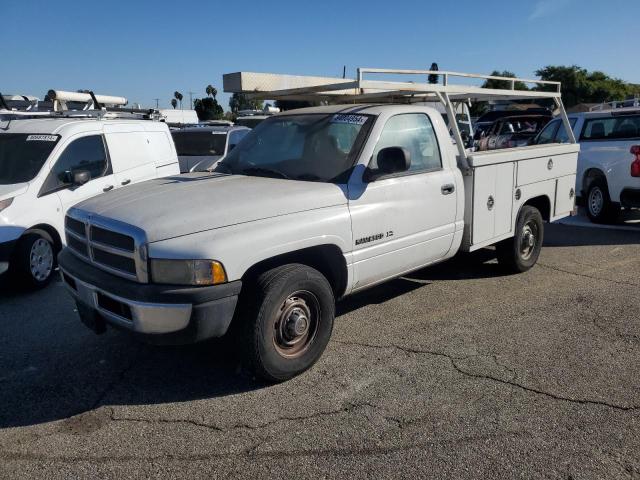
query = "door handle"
x=448 y=189
x=125 y=182
x=107 y=188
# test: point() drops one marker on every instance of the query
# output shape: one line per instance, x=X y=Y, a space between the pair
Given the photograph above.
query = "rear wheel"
x=600 y=209
x=287 y=320
x=34 y=259
x=520 y=253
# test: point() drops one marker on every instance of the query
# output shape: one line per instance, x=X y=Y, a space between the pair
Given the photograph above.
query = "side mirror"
x=80 y=177
x=390 y=160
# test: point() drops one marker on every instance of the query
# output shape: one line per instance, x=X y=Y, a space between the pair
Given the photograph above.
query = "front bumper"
x=163 y=314
x=6 y=252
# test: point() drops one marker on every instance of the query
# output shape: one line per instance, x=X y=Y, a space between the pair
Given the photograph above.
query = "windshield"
x=204 y=143
x=315 y=147
x=22 y=156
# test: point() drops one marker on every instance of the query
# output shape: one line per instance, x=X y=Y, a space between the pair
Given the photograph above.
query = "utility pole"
x=157 y=103
x=191 y=100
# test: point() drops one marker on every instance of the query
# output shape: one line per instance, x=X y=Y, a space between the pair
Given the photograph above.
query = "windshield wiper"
x=264 y=170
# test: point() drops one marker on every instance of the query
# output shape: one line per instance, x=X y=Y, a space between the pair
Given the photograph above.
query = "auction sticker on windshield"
x=42 y=138
x=350 y=119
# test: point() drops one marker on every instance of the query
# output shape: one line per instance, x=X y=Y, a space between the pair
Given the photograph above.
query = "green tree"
x=211 y=91
x=174 y=103
x=178 y=96
x=239 y=101
x=208 y=108
x=581 y=86
x=503 y=84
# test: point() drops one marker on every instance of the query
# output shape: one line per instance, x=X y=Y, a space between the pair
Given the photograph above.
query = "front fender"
x=241 y=246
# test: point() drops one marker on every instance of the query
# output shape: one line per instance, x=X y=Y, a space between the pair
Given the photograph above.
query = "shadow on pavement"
x=52 y=367
x=561 y=235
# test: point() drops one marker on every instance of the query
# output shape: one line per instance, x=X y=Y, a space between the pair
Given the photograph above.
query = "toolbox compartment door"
x=565 y=195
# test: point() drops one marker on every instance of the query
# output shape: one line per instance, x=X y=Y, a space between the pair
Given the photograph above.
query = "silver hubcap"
x=41 y=259
x=596 y=201
x=528 y=240
x=296 y=324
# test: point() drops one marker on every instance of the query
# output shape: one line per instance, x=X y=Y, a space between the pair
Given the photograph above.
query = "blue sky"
x=147 y=49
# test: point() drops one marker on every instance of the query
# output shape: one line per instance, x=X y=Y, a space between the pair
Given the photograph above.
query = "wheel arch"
x=542 y=203
x=589 y=176
x=328 y=259
x=49 y=230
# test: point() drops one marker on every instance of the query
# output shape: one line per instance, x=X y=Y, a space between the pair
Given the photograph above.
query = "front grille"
x=108 y=244
x=114 y=239
x=75 y=226
x=77 y=245
x=112 y=260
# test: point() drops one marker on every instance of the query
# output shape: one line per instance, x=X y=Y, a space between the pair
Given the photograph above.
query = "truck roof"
x=50 y=125
x=366 y=109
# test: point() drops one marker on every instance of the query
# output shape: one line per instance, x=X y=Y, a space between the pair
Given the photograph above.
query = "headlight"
x=5 y=203
x=187 y=272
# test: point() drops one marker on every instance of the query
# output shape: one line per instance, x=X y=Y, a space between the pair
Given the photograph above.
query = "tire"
x=34 y=260
x=600 y=209
x=519 y=253
x=287 y=320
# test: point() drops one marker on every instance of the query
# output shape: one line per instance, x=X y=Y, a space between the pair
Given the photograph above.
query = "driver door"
x=405 y=220
x=87 y=153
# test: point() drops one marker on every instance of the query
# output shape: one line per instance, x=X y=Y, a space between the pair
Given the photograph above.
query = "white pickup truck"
x=50 y=162
x=313 y=205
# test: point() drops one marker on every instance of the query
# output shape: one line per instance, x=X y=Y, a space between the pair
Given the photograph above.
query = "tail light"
x=635 y=165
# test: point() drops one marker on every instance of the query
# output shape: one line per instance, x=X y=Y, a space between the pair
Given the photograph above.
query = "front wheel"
x=34 y=260
x=287 y=321
x=520 y=253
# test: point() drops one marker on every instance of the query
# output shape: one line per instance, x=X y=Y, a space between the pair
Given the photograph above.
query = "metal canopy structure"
x=361 y=90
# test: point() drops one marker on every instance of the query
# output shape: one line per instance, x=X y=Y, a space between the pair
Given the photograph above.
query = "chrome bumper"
x=146 y=318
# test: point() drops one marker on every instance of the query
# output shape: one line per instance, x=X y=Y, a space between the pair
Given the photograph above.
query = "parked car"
x=608 y=174
x=318 y=204
x=484 y=122
x=199 y=148
x=514 y=131
x=49 y=164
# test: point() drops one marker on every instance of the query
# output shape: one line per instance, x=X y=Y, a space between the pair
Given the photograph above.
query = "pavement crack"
x=592 y=277
x=113 y=384
x=347 y=408
x=454 y=363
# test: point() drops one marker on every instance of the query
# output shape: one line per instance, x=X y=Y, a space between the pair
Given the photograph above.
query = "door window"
x=86 y=153
x=548 y=134
x=413 y=131
x=561 y=136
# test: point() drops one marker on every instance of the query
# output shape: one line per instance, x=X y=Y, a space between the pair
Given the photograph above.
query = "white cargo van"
x=52 y=162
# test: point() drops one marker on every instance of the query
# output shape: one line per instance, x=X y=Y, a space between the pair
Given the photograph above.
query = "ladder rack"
x=361 y=90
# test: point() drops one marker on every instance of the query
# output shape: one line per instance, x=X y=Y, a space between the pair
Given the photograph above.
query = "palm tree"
x=211 y=91
x=178 y=96
x=174 y=103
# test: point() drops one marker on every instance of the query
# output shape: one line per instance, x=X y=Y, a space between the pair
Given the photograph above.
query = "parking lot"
x=455 y=370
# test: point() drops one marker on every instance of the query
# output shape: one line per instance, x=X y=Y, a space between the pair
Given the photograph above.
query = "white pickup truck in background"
x=53 y=161
x=311 y=206
x=608 y=175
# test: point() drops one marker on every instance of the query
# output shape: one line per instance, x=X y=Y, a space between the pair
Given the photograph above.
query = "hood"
x=10 y=191
x=184 y=204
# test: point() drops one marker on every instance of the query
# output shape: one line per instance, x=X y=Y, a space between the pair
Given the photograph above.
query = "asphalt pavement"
x=455 y=371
